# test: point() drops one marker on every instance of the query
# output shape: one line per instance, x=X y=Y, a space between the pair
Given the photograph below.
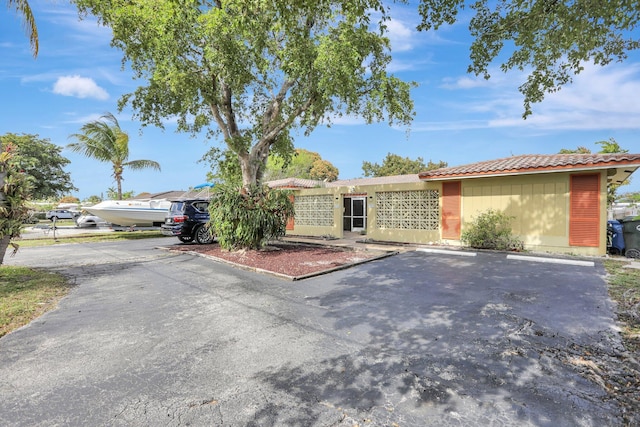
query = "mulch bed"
x=289 y=259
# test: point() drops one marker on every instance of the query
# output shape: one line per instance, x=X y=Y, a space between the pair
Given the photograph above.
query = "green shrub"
x=491 y=230
x=249 y=219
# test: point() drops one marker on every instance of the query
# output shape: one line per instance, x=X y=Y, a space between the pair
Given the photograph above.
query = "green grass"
x=89 y=238
x=624 y=289
x=26 y=294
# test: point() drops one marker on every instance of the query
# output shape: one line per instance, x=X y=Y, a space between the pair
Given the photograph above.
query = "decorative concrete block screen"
x=408 y=210
x=314 y=210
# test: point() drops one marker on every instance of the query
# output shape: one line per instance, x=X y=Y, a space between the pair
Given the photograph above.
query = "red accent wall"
x=451 y=198
x=291 y=221
x=584 y=210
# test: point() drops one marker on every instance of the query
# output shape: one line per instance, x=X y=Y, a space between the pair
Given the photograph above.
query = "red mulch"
x=291 y=259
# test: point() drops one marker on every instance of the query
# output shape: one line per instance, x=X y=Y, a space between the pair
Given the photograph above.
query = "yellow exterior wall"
x=539 y=204
x=540 y=207
x=398 y=235
x=307 y=230
x=372 y=232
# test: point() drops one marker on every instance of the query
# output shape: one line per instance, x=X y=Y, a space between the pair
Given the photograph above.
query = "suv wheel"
x=185 y=239
x=202 y=235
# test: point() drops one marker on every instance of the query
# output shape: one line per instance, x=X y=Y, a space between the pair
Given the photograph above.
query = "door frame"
x=349 y=219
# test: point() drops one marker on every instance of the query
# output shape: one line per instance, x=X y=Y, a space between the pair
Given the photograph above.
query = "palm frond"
x=28 y=21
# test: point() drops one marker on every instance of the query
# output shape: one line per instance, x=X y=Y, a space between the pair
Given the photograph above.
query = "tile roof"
x=534 y=163
x=393 y=179
x=295 y=183
x=310 y=183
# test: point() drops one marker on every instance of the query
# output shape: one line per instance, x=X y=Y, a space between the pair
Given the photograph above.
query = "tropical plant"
x=491 y=230
x=13 y=200
x=112 y=194
x=105 y=141
x=552 y=39
x=29 y=22
x=249 y=218
x=42 y=162
x=393 y=164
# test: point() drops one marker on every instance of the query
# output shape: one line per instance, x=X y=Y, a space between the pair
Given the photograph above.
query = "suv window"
x=201 y=206
x=177 y=207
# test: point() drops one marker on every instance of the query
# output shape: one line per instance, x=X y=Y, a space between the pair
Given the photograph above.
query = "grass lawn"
x=25 y=294
x=624 y=289
x=91 y=237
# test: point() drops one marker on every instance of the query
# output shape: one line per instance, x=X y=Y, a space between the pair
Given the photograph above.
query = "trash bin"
x=615 y=237
x=631 y=232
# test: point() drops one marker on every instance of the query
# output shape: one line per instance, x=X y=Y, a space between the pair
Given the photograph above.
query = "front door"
x=355 y=214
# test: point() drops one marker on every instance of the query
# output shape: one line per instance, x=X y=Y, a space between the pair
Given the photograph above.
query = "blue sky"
x=459 y=119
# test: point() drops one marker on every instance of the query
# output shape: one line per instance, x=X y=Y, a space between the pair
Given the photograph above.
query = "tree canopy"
x=551 y=40
x=251 y=71
x=394 y=164
x=106 y=142
x=303 y=164
x=42 y=163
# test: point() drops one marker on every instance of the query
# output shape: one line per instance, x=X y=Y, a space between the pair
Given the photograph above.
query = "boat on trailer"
x=132 y=213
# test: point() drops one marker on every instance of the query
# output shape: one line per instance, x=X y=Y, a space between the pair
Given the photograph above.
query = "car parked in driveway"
x=189 y=220
x=57 y=214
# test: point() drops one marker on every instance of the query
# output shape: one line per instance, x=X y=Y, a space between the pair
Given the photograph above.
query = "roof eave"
x=572 y=168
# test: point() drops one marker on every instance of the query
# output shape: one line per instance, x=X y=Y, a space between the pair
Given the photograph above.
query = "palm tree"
x=23 y=9
x=104 y=141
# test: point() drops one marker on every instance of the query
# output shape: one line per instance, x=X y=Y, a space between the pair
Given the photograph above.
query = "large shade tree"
x=105 y=141
x=253 y=71
x=23 y=9
x=551 y=40
x=43 y=164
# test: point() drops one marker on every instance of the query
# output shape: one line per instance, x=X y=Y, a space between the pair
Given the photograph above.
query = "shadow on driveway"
x=440 y=340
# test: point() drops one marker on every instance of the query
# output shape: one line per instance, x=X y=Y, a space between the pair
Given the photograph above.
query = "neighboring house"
x=558 y=201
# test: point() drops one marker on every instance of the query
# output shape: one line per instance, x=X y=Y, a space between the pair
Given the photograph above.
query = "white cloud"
x=400 y=35
x=598 y=98
x=464 y=82
x=80 y=87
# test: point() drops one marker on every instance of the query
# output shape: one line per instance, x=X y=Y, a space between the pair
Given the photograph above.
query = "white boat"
x=130 y=213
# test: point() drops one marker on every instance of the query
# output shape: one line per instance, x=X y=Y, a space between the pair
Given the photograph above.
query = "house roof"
x=310 y=183
x=622 y=165
x=393 y=179
x=295 y=183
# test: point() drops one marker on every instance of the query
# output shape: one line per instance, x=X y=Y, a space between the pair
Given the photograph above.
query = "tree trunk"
x=4 y=244
x=253 y=163
x=119 y=184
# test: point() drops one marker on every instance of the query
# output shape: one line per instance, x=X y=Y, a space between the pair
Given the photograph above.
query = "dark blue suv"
x=188 y=219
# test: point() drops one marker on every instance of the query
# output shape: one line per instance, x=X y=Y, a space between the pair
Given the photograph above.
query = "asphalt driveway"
x=153 y=338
